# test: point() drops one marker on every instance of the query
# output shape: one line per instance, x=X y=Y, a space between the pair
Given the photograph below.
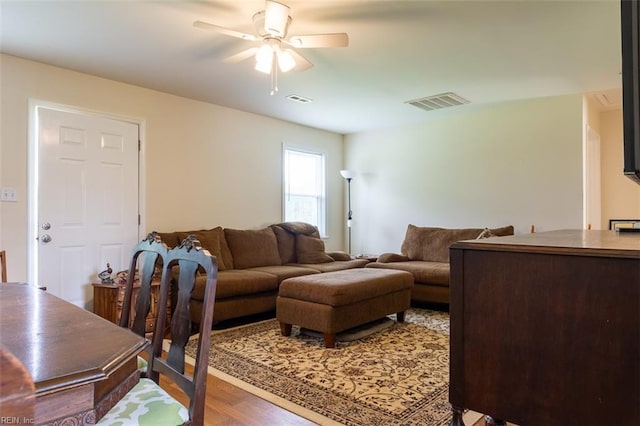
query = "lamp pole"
x=348 y=175
x=350 y=213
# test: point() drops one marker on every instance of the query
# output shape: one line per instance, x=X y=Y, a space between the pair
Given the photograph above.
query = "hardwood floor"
x=229 y=405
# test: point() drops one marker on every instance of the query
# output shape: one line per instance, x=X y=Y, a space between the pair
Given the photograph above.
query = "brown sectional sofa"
x=425 y=253
x=252 y=263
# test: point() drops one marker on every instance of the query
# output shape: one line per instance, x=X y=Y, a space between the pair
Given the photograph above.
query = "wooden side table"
x=108 y=300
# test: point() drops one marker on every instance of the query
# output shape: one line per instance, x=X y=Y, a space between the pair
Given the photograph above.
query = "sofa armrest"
x=392 y=257
x=339 y=255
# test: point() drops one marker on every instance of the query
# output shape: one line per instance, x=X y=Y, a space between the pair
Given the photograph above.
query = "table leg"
x=400 y=316
x=457 y=416
x=490 y=421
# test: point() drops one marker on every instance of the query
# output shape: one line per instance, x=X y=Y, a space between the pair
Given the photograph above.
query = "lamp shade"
x=347 y=174
x=264 y=59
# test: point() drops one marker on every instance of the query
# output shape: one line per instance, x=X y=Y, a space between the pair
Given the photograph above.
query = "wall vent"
x=300 y=99
x=609 y=99
x=443 y=100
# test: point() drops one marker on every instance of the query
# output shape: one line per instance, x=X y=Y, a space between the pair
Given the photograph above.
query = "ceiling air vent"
x=443 y=100
x=298 y=98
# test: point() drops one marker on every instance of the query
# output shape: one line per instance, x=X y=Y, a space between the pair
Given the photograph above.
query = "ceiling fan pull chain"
x=274 y=75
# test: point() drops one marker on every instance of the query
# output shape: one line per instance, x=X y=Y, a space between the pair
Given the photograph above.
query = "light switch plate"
x=8 y=194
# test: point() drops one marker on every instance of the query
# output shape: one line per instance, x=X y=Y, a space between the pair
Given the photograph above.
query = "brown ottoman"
x=332 y=302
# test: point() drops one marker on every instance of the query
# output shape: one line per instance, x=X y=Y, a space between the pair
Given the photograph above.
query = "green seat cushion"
x=142 y=365
x=146 y=404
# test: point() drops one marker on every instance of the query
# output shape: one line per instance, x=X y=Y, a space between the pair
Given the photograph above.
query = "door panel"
x=88 y=194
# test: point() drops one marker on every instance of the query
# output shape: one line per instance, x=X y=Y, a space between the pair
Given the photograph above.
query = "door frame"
x=32 y=171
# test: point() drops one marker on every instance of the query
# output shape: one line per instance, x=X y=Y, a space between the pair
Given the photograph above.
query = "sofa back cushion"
x=252 y=248
x=432 y=244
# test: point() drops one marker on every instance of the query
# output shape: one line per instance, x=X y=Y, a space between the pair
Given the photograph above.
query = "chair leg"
x=400 y=316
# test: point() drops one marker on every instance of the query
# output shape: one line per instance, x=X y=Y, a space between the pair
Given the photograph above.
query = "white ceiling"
x=484 y=51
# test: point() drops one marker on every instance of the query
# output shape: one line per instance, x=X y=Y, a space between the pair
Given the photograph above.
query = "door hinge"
x=139 y=145
x=139 y=219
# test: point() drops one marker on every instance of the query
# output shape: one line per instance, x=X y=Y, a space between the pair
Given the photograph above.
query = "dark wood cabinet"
x=545 y=328
x=108 y=298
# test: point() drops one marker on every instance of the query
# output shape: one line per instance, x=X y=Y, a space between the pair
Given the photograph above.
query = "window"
x=304 y=199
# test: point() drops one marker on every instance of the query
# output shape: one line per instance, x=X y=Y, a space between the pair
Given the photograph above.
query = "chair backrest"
x=190 y=257
x=148 y=254
x=3 y=265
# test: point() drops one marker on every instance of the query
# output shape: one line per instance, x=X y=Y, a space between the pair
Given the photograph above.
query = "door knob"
x=46 y=226
x=45 y=238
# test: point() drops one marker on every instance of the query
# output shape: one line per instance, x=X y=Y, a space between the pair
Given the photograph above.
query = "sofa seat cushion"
x=235 y=282
x=335 y=266
x=253 y=247
x=285 y=271
x=436 y=273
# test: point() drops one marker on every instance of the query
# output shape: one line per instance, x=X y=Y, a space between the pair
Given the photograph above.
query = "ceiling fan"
x=276 y=49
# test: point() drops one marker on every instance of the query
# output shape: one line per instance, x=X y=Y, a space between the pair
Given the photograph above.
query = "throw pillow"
x=171 y=239
x=340 y=256
x=252 y=248
x=311 y=250
x=503 y=232
x=486 y=233
x=211 y=240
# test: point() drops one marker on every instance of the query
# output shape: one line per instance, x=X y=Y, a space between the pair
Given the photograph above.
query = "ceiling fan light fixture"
x=285 y=60
x=264 y=59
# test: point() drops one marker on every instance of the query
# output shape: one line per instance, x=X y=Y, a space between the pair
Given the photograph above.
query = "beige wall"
x=206 y=165
x=620 y=195
x=516 y=163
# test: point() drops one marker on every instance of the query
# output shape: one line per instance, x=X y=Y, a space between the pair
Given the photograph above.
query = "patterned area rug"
x=397 y=376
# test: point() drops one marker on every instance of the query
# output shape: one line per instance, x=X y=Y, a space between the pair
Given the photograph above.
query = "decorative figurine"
x=105 y=276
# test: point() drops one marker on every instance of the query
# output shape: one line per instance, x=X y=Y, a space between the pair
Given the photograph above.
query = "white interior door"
x=87 y=200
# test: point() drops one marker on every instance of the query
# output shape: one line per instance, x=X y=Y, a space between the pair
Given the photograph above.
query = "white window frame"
x=322 y=199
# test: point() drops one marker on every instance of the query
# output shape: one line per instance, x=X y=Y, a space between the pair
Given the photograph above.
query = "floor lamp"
x=348 y=175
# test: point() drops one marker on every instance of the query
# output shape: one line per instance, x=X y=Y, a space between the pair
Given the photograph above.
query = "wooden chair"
x=145 y=257
x=3 y=265
x=161 y=407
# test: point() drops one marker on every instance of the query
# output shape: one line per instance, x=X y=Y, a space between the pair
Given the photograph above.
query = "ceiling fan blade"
x=319 y=40
x=241 y=56
x=276 y=16
x=226 y=31
x=301 y=62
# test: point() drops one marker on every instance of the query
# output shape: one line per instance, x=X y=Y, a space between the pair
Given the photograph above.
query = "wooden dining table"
x=81 y=364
